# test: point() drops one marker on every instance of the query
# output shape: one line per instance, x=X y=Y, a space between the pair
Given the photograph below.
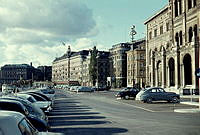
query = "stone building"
x=46 y=73
x=74 y=67
x=68 y=67
x=136 y=64
x=172 y=47
x=11 y=73
x=118 y=64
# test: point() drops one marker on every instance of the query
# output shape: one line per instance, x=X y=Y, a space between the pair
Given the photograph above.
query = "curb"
x=187 y=110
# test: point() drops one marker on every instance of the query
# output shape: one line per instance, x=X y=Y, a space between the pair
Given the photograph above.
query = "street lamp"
x=98 y=56
x=132 y=34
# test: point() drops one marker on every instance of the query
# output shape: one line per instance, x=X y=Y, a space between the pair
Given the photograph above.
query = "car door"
x=162 y=94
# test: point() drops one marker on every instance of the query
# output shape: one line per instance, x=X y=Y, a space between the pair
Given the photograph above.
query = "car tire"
x=175 y=100
x=149 y=100
x=126 y=97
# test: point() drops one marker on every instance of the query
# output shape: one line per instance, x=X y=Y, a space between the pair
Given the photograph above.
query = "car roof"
x=7 y=116
x=15 y=98
x=7 y=100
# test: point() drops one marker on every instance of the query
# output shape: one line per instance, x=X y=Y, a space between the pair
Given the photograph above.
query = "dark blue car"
x=157 y=94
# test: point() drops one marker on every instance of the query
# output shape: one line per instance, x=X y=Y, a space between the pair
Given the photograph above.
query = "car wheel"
x=149 y=100
x=126 y=97
x=175 y=100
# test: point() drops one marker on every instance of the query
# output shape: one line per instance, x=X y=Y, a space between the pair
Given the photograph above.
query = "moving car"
x=157 y=94
x=127 y=93
x=18 y=125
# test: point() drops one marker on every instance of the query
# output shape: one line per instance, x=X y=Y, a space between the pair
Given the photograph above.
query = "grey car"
x=157 y=94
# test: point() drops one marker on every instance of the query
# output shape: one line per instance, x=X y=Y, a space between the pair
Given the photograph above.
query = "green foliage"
x=93 y=66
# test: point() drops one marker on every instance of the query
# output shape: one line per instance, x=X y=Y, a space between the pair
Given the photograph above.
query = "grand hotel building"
x=172 y=46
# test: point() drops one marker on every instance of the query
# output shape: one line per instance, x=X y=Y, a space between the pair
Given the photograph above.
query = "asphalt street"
x=100 y=113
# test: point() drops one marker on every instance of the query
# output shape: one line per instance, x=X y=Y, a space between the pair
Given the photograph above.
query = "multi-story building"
x=136 y=64
x=46 y=73
x=102 y=69
x=12 y=73
x=172 y=47
x=74 y=67
x=118 y=64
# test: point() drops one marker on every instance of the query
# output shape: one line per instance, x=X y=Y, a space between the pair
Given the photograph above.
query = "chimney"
x=31 y=64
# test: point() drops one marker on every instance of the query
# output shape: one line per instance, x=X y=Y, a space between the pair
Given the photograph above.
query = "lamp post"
x=98 y=69
x=132 y=34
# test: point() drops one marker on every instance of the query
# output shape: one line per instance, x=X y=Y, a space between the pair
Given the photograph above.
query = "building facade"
x=118 y=64
x=172 y=47
x=46 y=73
x=136 y=64
x=74 y=67
x=11 y=73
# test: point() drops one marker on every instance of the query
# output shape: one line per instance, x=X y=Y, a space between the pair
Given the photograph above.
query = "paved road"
x=100 y=113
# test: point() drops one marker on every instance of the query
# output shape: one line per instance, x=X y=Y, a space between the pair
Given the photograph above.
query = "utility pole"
x=132 y=34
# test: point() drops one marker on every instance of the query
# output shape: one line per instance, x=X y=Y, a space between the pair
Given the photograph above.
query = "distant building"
x=46 y=73
x=74 y=67
x=136 y=64
x=13 y=72
x=118 y=64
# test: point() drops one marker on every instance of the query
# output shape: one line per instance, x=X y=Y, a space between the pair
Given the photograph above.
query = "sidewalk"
x=189 y=100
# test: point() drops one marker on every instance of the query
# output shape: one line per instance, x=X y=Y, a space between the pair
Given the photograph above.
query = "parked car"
x=127 y=93
x=18 y=125
x=32 y=109
x=84 y=89
x=157 y=94
x=11 y=105
x=42 y=105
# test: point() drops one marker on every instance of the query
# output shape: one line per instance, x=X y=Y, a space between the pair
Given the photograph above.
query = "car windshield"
x=26 y=128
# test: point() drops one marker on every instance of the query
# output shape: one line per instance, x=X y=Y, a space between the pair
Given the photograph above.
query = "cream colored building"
x=172 y=46
x=118 y=64
x=136 y=64
x=74 y=67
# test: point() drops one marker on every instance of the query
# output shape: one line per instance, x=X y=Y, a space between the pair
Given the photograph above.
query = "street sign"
x=198 y=73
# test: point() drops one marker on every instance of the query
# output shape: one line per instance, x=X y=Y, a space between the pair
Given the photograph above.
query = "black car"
x=127 y=93
x=11 y=105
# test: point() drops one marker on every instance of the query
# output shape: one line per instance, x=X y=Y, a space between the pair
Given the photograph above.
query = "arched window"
x=181 y=38
x=190 y=34
x=187 y=69
x=189 y=4
x=171 y=72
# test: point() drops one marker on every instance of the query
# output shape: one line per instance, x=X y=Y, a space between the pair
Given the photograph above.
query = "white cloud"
x=32 y=30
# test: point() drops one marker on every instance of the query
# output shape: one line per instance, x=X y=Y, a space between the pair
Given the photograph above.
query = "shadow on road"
x=71 y=118
x=89 y=131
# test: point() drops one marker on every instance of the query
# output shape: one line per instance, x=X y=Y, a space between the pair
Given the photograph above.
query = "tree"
x=93 y=66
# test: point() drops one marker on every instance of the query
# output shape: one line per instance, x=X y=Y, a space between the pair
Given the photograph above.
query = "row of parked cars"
x=26 y=112
x=148 y=95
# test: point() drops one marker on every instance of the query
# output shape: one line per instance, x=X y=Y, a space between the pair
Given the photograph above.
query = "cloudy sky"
x=33 y=30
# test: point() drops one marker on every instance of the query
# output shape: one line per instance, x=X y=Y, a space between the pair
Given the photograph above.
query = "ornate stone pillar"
x=177 y=67
x=163 y=70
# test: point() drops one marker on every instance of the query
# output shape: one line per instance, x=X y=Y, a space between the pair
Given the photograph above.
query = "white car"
x=45 y=106
x=15 y=123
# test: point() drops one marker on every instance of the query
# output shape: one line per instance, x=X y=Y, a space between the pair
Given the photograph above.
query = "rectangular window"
x=150 y=35
x=167 y=26
x=155 y=33
x=161 y=30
